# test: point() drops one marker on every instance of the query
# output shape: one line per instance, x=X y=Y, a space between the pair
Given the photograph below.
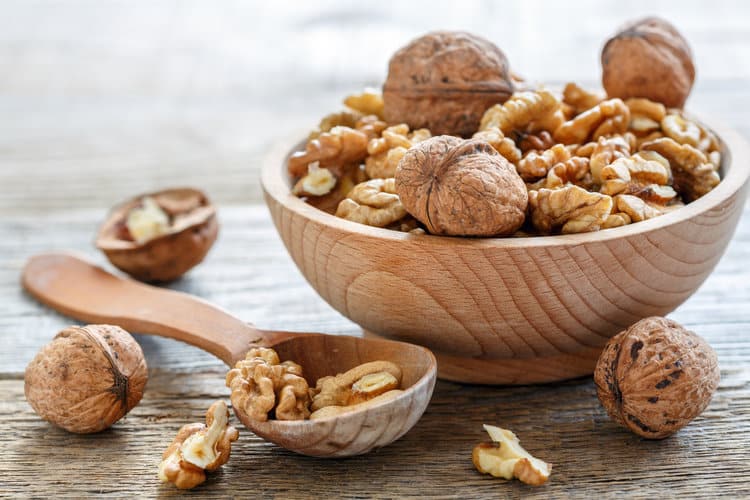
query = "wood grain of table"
x=102 y=101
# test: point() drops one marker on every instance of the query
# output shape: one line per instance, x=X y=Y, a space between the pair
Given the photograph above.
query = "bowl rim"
x=735 y=152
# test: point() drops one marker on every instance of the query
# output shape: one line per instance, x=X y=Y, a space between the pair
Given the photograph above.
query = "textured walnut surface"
x=656 y=376
x=458 y=187
x=444 y=81
x=648 y=58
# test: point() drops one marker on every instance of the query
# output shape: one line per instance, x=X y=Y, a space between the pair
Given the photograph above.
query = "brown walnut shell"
x=461 y=188
x=87 y=378
x=648 y=58
x=444 y=81
x=192 y=231
x=655 y=377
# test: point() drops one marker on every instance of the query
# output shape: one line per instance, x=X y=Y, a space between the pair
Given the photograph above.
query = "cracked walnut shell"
x=444 y=81
x=159 y=236
x=655 y=377
x=648 y=58
x=461 y=188
x=87 y=378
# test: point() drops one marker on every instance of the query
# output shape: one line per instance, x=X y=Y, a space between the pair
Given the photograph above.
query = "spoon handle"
x=88 y=293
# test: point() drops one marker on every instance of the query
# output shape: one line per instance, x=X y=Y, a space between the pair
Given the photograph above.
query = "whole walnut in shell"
x=87 y=378
x=461 y=188
x=648 y=58
x=444 y=81
x=655 y=377
x=159 y=236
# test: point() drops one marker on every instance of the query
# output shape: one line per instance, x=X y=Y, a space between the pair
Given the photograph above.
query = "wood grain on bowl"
x=513 y=310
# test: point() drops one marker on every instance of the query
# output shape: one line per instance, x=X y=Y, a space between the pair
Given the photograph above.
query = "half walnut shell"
x=189 y=230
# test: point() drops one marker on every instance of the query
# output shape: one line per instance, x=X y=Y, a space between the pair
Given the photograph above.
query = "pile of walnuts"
x=510 y=161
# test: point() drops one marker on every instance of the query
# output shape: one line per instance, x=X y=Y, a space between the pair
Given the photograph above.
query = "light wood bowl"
x=509 y=310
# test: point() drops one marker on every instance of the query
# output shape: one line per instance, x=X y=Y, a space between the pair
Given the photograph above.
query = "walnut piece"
x=386 y=151
x=444 y=81
x=507 y=459
x=261 y=384
x=580 y=99
x=87 y=378
x=605 y=152
x=198 y=448
x=359 y=384
x=367 y=102
x=572 y=171
x=570 y=210
x=346 y=118
x=503 y=145
x=536 y=165
x=461 y=188
x=520 y=110
x=336 y=410
x=655 y=377
x=373 y=202
x=317 y=182
x=648 y=58
x=147 y=221
x=606 y=118
x=694 y=174
x=335 y=149
x=644 y=174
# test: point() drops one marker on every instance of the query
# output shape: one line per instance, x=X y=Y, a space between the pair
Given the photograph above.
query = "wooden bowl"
x=509 y=310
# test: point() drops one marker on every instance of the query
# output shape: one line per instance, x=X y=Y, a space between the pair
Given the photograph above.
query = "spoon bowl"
x=88 y=293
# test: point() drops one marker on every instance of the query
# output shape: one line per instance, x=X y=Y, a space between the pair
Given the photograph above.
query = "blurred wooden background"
x=100 y=101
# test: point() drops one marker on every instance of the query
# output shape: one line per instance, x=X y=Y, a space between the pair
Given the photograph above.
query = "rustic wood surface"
x=100 y=101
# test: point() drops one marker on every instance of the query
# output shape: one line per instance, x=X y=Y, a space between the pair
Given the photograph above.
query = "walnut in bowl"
x=510 y=310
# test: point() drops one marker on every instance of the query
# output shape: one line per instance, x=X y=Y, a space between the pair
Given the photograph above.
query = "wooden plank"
x=562 y=423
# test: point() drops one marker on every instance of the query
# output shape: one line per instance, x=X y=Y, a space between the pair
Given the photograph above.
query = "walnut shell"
x=655 y=377
x=444 y=81
x=648 y=58
x=192 y=231
x=461 y=188
x=87 y=378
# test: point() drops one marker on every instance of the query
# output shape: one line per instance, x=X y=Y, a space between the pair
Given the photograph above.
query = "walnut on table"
x=507 y=459
x=198 y=448
x=261 y=384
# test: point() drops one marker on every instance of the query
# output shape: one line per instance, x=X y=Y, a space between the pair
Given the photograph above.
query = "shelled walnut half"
x=159 y=236
x=506 y=458
x=198 y=448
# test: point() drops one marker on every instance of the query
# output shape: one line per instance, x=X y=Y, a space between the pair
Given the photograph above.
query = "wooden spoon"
x=88 y=293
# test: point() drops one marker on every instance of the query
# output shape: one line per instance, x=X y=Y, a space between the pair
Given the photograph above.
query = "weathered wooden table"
x=100 y=103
